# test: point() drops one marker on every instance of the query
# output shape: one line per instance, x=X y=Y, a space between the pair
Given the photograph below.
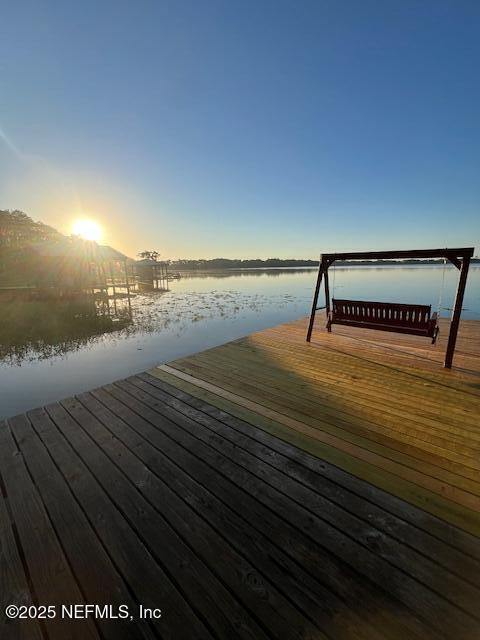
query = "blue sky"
x=245 y=129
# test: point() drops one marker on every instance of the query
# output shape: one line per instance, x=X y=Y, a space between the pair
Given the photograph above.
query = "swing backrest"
x=416 y=316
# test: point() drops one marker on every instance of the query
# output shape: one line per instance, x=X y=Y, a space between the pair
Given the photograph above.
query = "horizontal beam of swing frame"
x=459 y=257
x=456 y=254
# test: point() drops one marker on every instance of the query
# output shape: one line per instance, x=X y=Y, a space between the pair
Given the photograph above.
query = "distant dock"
x=266 y=488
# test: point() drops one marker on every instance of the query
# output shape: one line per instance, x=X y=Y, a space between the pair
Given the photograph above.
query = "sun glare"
x=87 y=229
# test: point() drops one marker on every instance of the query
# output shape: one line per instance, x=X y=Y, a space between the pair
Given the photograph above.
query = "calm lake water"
x=49 y=351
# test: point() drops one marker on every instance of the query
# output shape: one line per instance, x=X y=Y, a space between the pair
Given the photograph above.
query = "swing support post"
x=460 y=258
x=457 y=310
x=327 y=292
x=321 y=271
x=323 y=265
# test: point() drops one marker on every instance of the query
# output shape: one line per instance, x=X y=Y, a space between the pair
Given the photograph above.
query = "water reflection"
x=41 y=329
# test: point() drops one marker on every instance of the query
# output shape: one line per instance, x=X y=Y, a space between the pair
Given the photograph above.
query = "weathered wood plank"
x=14 y=587
x=101 y=585
x=145 y=578
x=44 y=556
x=151 y=508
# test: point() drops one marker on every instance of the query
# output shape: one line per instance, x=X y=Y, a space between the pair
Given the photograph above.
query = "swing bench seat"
x=414 y=319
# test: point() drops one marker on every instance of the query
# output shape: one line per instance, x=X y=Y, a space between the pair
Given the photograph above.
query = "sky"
x=244 y=129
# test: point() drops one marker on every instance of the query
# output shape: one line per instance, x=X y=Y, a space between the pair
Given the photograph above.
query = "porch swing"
x=414 y=319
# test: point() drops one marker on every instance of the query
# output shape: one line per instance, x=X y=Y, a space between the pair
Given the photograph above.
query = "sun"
x=87 y=229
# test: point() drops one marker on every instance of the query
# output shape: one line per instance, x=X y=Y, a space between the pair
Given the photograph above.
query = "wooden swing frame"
x=460 y=258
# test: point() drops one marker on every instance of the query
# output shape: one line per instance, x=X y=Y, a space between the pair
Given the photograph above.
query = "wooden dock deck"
x=267 y=488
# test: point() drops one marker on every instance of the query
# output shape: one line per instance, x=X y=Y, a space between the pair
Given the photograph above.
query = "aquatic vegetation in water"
x=38 y=330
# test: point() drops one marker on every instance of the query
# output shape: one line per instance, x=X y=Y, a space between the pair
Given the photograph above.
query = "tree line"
x=227 y=263
x=270 y=263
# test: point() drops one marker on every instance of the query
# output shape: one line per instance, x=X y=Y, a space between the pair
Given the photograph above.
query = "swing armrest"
x=433 y=319
x=329 y=321
x=433 y=328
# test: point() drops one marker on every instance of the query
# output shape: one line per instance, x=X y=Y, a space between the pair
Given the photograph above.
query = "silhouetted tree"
x=149 y=255
x=18 y=230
